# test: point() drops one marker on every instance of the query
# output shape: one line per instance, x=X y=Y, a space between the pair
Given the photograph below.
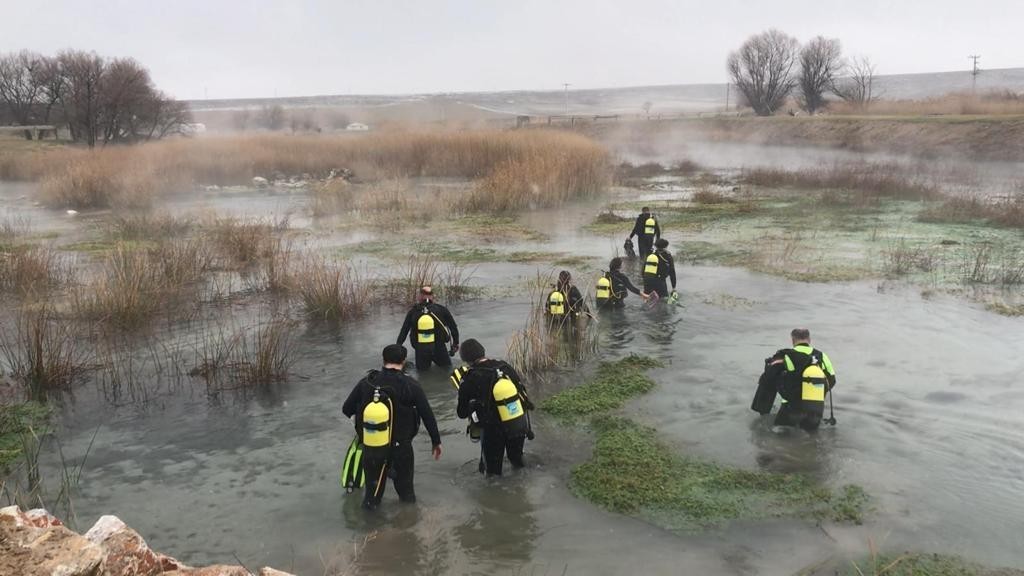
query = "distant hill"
x=669 y=99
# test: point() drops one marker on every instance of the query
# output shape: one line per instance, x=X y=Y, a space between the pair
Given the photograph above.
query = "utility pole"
x=974 y=71
x=566 y=87
x=728 y=85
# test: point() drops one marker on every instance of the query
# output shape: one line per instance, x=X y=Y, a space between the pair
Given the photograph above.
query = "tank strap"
x=511 y=398
x=382 y=426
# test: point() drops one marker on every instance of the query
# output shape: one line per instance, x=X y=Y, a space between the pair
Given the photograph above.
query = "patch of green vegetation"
x=491 y=227
x=531 y=257
x=701 y=252
x=15 y=421
x=575 y=262
x=911 y=564
x=612 y=385
x=370 y=248
x=632 y=472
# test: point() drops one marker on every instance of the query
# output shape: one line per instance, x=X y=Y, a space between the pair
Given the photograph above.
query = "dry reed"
x=42 y=352
x=870 y=179
x=330 y=291
x=28 y=270
x=518 y=168
x=957 y=104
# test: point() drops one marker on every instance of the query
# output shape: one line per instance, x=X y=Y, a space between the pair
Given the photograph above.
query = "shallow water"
x=928 y=410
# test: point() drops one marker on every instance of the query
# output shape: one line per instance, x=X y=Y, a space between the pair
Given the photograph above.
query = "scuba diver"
x=565 y=302
x=613 y=285
x=658 y=266
x=646 y=230
x=493 y=393
x=387 y=407
x=803 y=376
x=434 y=328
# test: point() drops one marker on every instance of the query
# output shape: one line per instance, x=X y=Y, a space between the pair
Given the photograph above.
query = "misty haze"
x=314 y=288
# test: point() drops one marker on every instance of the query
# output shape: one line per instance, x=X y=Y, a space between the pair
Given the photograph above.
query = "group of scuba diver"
x=387 y=406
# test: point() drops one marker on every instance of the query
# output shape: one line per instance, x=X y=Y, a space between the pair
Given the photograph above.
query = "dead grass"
x=869 y=179
x=902 y=257
x=258 y=357
x=135 y=285
x=1006 y=211
x=147 y=226
x=957 y=104
x=243 y=242
x=42 y=353
x=515 y=169
x=449 y=280
x=332 y=291
x=29 y=269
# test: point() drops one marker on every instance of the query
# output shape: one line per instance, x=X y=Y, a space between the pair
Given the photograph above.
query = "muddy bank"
x=997 y=139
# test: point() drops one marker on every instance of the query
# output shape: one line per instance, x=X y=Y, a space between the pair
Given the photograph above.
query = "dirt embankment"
x=996 y=138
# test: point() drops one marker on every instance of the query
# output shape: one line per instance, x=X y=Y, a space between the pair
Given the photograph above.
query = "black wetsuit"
x=621 y=286
x=445 y=331
x=645 y=241
x=411 y=406
x=666 y=269
x=475 y=395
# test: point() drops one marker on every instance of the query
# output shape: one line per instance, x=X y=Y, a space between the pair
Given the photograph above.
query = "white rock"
x=104 y=528
x=260 y=182
x=72 y=212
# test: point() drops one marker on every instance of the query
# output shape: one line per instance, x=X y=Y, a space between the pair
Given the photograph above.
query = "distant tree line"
x=772 y=66
x=101 y=100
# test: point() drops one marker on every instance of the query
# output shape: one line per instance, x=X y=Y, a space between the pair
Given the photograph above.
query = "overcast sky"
x=253 y=48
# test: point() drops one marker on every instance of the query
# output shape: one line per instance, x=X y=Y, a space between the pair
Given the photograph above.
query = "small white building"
x=357 y=127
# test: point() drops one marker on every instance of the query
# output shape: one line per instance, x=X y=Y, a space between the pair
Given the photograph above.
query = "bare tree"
x=50 y=78
x=647 y=108
x=762 y=69
x=857 y=86
x=820 y=62
x=19 y=91
x=128 y=101
x=271 y=117
x=81 y=95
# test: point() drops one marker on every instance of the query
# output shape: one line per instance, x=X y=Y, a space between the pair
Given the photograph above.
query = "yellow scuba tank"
x=425 y=328
x=649 y=226
x=652 y=264
x=377 y=422
x=812 y=388
x=556 y=303
x=506 y=399
x=604 y=290
x=509 y=404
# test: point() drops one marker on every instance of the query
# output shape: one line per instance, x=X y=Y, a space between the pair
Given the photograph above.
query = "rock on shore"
x=35 y=543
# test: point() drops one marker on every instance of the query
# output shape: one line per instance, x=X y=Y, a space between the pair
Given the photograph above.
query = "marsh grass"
x=16 y=421
x=449 y=280
x=332 y=291
x=869 y=179
x=902 y=258
x=515 y=169
x=242 y=242
x=633 y=472
x=918 y=564
x=134 y=286
x=147 y=226
x=257 y=357
x=32 y=269
x=1006 y=211
x=611 y=386
x=42 y=352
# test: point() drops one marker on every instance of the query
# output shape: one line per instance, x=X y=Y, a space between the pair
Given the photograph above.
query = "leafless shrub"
x=42 y=352
x=857 y=83
x=820 y=62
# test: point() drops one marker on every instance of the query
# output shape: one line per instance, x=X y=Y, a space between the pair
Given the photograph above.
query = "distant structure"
x=357 y=127
x=974 y=71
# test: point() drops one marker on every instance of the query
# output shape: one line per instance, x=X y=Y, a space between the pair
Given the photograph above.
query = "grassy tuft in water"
x=15 y=421
x=611 y=387
x=916 y=564
x=632 y=472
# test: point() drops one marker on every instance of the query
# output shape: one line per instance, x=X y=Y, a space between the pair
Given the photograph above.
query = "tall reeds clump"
x=29 y=270
x=332 y=291
x=257 y=357
x=449 y=280
x=882 y=180
x=42 y=352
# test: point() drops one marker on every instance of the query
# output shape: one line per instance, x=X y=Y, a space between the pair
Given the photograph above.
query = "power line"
x=974 y=71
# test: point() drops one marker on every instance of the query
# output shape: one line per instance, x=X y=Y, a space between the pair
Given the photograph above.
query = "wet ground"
x=928 y=409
